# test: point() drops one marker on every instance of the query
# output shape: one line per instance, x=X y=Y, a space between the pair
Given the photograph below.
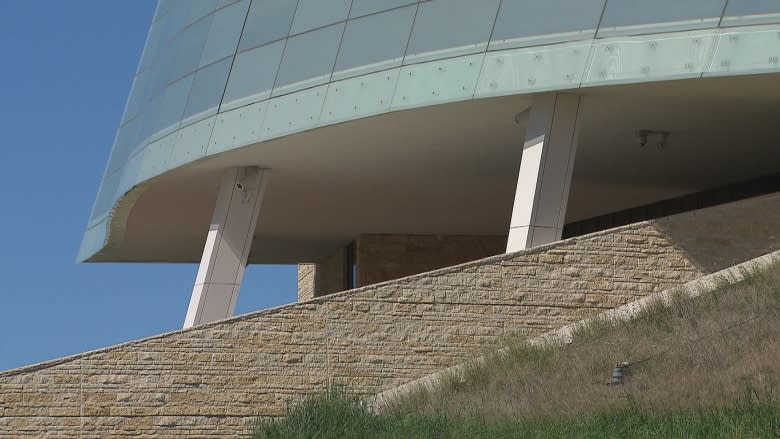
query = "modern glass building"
x=371 y=139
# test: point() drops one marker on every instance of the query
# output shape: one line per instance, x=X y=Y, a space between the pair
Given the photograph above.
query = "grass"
x=339 y=416
x=702 y=367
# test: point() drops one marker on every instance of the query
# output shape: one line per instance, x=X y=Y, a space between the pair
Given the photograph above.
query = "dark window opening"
x=350 y=267
x=708 y=198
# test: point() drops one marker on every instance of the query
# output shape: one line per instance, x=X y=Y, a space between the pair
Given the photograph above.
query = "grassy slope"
x=710 y=367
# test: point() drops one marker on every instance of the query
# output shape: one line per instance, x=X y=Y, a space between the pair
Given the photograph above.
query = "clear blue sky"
x=66 y=70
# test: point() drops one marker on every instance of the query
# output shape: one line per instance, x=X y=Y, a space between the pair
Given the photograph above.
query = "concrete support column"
x=545 y=171
x=227 y=246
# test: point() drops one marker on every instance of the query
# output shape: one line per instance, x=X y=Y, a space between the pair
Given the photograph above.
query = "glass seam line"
x=230 y=69
x=246 y=49
x=403 y=57
x=484 y=58
x=284 y=51
x=336 y=59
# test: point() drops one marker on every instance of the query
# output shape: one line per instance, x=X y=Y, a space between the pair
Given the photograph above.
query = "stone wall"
x=379 y=258
x=306 y=281
x=212 y=380
x=330 y=274
x=385 y=257
x=319 y=279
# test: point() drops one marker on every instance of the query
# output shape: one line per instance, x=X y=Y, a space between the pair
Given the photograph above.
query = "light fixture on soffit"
x=659 y=138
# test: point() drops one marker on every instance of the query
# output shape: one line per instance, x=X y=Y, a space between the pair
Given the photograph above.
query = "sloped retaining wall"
x=212 y=380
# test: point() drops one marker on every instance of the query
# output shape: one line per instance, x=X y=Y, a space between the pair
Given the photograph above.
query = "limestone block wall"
x=212 y=381
x=330 y=274
x=385 y=257
x=306 y=281
x=325 y=277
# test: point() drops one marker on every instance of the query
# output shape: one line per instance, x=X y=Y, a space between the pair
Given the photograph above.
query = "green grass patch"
x=337 y=415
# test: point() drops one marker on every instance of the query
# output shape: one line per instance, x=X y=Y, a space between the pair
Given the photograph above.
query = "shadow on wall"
x=721 y=236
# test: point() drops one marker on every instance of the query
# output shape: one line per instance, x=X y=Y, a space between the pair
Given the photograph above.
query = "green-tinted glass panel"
x=637 y=17
x=252 y=76
x=268 y=20
x=308 y=59
x=224 y=32
x=124 y=144
x=375 y=42
x=190 y=43
x=200 y=9
x=206 y=92
x=147 y=118
x=172 y=106
x=175 y=20
x=152 y=48
x=106 y=194
x=744 y=12
x=136 y=98
x=445 y=28
x=365 y=7
x=312 y=14
x=522 y=23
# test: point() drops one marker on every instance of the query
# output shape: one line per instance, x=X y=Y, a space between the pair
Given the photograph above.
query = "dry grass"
x=705 y=352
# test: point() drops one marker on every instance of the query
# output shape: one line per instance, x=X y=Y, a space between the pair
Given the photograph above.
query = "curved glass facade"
x=220 y=74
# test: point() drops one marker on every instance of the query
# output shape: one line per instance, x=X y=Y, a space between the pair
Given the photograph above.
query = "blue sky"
x=66 y=72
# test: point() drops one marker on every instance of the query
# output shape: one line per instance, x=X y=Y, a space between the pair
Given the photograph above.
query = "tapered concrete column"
x=545 y=171
x=227 y=246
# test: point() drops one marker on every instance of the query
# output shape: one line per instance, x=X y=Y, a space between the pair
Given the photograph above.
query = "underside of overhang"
x=452 y=169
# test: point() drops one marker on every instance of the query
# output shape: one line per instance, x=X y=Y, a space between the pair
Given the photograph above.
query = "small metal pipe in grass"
x=617 y=373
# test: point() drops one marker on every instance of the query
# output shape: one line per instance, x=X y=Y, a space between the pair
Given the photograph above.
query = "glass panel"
x=445 y=28
x=190 y=143
x=94 y=239
x=136 y=98
x=523 y=23
x=175 y=20
x=106 y=194
x=653 y=57
x=312 y=14
x=152 y=49
x=146 y=121
x=163 y=8
x=741 y=51
x=268 y=20
x=636 y=17
x=308 y=59
x=742 y=12
x=172 y=106
x=533 y=69
x=375 y=42
x=200 y=8
x=189 y=48
x=154 y=84
x=447 y=80
x=224 y=33
x=163 y=72
x=364 y=7
x=359 y=97
x=124 y=144
x=252 y=77
x=238 y=127
x=294 y=112
x=206 y=93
